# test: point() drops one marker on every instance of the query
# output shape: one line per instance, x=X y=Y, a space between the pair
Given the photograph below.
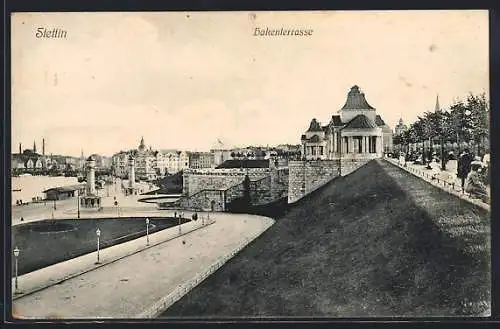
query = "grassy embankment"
x=379 y=242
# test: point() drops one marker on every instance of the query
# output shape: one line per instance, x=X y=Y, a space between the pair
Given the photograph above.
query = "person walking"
x=464 y=167
x=486 y=166
x=474 y=184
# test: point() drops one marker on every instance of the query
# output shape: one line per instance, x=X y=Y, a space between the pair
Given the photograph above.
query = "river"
x=27 y=187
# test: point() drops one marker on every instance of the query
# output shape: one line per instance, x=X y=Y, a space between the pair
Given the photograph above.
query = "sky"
x=187 y=79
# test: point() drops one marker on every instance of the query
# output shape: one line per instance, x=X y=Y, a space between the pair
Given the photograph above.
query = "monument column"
x=131 y=173
x=91 y=176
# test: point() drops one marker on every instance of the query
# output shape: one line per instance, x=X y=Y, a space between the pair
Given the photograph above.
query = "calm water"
x=33 y=186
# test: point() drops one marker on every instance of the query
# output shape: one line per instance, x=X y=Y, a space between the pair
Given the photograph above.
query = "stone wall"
x=218 y=179
x=350 y=165
x=204 y=188
x=279 y=183
x=206 y=200
x=307 y=176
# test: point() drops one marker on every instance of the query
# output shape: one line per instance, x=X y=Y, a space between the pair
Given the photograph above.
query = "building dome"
x=90 y=158
x=356 y=100
x=315 y=126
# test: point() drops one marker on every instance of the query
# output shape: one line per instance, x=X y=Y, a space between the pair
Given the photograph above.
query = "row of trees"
x=261 y=154
x=466 y=121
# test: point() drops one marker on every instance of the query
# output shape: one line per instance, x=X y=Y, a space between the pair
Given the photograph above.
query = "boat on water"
x=16 y=190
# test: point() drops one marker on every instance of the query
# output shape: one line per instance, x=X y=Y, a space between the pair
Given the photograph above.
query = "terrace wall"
x=215 y=188
x=306 y=176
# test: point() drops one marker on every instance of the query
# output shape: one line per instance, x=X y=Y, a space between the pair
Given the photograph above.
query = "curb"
x=164 y=303
x=451 y=191
x=110 y=261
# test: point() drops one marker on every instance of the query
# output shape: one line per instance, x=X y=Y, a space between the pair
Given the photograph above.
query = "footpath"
x=40 y=279
x=134 y=280
x=445 y=180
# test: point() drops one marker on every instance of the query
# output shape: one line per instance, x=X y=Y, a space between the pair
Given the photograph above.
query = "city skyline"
x=186 y=80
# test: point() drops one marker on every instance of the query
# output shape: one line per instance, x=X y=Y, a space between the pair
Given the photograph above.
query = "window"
x=321 y=150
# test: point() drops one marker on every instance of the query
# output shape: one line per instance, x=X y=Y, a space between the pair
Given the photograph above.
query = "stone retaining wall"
x=223 y=186
x=218 y=179
x=350 y=165
x=308 y=175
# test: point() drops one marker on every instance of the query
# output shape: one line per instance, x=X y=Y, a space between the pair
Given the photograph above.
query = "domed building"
x=357 y=132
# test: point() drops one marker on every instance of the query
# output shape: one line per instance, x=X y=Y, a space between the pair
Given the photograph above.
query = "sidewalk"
x=50 y=275
x=445 y=180
x=146 y=282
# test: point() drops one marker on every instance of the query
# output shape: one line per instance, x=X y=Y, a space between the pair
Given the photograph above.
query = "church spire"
x=142 y=147
x=437 y=103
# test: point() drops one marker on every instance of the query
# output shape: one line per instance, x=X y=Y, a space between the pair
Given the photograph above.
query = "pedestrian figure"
x=475 y=182
x=486 y=168
x=402 y=160
x=464 y=166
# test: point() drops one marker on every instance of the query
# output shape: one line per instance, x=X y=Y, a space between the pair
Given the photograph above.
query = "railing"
x=451 y=187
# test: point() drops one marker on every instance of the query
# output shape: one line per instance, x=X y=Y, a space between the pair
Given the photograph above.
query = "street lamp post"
x=16 y=255
x=55 y=208
x=98 y=233
x=147 y=231
x=78 y=204
x=180 y=216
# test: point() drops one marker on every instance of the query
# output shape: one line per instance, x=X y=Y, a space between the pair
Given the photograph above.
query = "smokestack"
x=20 y=149
x=43 y=146
x=34 y=147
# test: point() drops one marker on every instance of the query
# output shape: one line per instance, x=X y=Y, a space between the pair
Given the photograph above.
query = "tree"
x=416 y=133
x=246 y=190
x=460 y=123
x=233 y=154
x=479 y=119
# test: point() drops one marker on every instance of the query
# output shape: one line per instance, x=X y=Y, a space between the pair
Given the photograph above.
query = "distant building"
x=169 y=162
x=119 y=164
x=145 y=162
x=400 y=128
x=356 y=132
x=199 y=160
x=220 y=155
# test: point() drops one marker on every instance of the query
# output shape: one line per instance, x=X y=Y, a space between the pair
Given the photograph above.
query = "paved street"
x=132 y=285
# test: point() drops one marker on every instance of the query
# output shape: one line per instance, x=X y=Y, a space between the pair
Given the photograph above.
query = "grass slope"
x=379 y=242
